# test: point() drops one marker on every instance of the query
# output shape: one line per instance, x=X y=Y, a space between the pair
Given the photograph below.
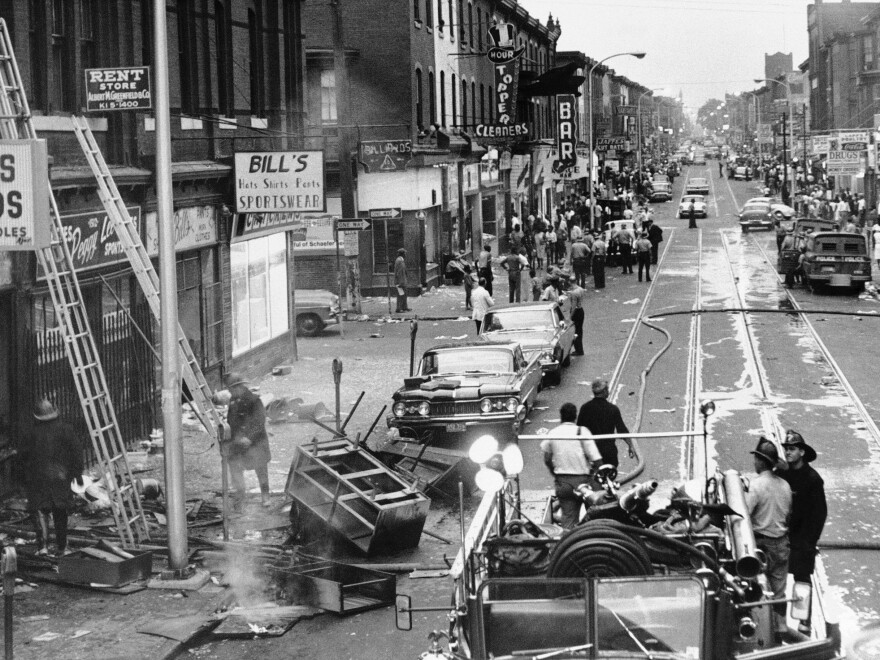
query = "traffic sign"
x=421 y=215
x=386 y=214
x=352 y=224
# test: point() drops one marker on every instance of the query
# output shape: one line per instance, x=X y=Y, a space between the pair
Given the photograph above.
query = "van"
x=836 y=259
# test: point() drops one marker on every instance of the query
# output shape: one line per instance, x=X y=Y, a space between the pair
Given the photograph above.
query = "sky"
x=702 y=48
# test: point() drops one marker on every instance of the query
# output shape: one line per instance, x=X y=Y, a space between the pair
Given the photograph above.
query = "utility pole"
x=785 y=192
x=175 y=496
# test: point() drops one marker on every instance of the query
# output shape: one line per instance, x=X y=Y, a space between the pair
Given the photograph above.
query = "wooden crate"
x=357 y=495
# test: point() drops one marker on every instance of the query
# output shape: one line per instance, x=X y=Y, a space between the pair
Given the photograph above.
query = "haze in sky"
x=702 y=48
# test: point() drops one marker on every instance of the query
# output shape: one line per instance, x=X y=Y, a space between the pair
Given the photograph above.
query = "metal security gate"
x=128 y=362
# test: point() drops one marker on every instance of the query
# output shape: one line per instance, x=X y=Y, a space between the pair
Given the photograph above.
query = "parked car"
x=836 y=259
x=661 y=192
x=699 y=206
x=541 y=330
x=315 y=309
x=740 y=173
x=463 y=390
x=699 y=158
x=697 y=186
x=618 y=224
x=760 y=212
x=660 y=178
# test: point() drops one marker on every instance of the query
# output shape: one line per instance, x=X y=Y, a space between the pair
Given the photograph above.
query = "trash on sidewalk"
x=105 y=564
x=263 y=620
x=180 y=628
x=47 y=637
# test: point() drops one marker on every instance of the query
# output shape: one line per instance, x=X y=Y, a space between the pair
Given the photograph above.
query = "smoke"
x=247 y=578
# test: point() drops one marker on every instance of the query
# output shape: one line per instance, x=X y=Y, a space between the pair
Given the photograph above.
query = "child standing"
x=470 y=281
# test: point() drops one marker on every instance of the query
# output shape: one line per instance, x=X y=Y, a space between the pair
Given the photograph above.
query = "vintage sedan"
x=539 y=327
x=661 y=192
x=760 y=213
x=315 y=310
x=463 y=390
x=699 y=206
x=697 y=186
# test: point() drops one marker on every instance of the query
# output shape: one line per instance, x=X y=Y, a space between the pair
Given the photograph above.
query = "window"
x=187 y=57
x=419 y=101
x=62 y=90
x=473 y=103
x=37 y=34
x=200 y=305
x=867 y=53
x=464 y=104
x=443 y=98
x=255 y=43
x=471 y=24
x=417 y=10
x=259 y=291
x=328 y=96
x=462 y=33
x=491 y=105
x=454 y=104
x=429 y=14
x=432 y=98
x=482 y=103
x=451 y=21
x=88 y=20
x=440 y=16
x=221 y=38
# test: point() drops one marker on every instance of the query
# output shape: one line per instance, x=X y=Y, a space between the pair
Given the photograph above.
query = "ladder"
x=82 y=353
x=129 y=237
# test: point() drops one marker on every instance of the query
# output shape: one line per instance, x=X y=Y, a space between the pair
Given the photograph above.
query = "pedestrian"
x=808 y=511
x=551 y=289
x=247 y=447
x=470 y=281
x=536 y=286
x=514 y=263
x=655 y=236
x=540 y=248
x=51 y=457
x=481 y=301
x=484 y=267
x=692 y=215
x=769 y=506
x=625 y=240
x=720 y=169
x=780 y=233
x=602 y=417
x=643 y=256
x=550 y=245
x=571 y=463
x=580 y=260
x=599 y=250
x=875 y=236
x=578 y=297
x=400 y=281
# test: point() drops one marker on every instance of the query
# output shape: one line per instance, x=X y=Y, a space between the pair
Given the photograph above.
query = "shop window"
x=387 y=240
x=259 y=291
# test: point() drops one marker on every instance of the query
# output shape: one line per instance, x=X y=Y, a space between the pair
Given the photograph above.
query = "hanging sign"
x=566 y=132
x=845 y=162
x=504 y=56
x=385 y=155
x=279 y=182
x=24 y=195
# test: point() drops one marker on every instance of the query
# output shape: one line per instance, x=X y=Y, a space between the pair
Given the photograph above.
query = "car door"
x=529 y=375
x=565 y=330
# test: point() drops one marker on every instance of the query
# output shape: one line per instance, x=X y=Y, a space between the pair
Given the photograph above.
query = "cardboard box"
x=82 y=569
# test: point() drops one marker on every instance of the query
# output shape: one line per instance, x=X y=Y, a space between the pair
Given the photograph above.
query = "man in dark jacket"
x=655 y=235
x=51 y=457
x=247 y=448
x=400 y=281
x=808 y=509
x=601 y=417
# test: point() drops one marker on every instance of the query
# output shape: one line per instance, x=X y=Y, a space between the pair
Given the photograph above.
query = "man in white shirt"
x=571 y=463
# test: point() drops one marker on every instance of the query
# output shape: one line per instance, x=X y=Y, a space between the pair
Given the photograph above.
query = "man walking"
x=578 y=298
x=769 y=502
x=643 y=255
x=808 y=511
x=484 y=267
x=692 y=215
x=514 y=263
x=655 y=235
x=248 y=445
x=602 y=417
x=625 y=240
x=571 y=463
x=400 y=281
x=481 y=301
x=51 y=456
x=599 y=251
x=580 y=260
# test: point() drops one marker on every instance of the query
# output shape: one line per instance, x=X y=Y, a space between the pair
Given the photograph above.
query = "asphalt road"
x=764 y=371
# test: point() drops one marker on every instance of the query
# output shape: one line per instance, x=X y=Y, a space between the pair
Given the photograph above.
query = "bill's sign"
x=279 y=182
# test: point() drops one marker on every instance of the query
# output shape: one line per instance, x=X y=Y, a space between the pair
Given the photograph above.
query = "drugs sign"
x=24 y=195
x=118 y=88
x=845 y=162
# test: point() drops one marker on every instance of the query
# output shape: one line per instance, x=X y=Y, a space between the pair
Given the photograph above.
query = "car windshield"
x=696 y=199
x=518 y=319
x=763 y=208
x=699 y=182
x=472 y=360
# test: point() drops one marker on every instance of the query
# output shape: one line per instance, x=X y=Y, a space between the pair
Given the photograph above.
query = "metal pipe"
x=744 y=546
x=175 y=496
x=617 y=436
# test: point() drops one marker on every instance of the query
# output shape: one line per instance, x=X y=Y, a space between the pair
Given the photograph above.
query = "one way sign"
x=352 y=224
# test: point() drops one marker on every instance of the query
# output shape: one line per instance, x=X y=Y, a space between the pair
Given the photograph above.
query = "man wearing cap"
x=769 y=502
x=809 y=508
x=51 y=457
x=400 y=281
x=602 y=417
x=247 y=447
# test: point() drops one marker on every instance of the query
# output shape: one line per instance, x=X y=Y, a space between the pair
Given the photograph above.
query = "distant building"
x=777 y=64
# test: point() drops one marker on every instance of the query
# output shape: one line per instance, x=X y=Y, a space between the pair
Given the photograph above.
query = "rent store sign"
x=279 y=182
x=24 y=195
x=118 y=88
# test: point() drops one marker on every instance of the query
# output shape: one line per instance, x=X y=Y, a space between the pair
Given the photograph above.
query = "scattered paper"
x=47 y=637
x=34 y=617
x=461 y=337
x=667 y=410
x=634 y=301
x=258 y=630
x=80 y=633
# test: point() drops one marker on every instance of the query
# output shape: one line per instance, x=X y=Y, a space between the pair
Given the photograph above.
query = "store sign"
x=820 y=144
x=92 y=240
x=118 y=88
x=24 y=195
x=194 y=227
x=845 y=162
x=612 y=143
x=626 y=110
x=471 y=182
x=505 y=57
x=566 y=132
x=850 y=137
x=765 y=133
x=579 y=170
x=314 y=233
x=246 y=226
x=279 y=182
x=385 y=155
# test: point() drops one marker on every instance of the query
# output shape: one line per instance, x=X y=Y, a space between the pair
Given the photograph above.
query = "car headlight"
x=424 y=408
x=486 y=405
x=399 y=409
x=511 y=404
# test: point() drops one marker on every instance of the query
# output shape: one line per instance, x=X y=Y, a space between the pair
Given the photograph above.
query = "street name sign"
x=279 y=182
x=386 y=214
x=24 y=195
x=118 y=88
x=352 y=224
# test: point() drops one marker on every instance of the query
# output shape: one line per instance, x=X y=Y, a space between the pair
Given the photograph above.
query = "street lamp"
x=785 y=192
x=637 y=55
x=639 y=120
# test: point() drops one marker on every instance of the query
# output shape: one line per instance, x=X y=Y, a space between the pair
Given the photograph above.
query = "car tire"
x=745 y=230
x=567 y=361
x=309 y=325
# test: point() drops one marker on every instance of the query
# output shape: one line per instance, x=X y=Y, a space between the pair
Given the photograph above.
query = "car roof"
x=470 y=345
x=538 y=304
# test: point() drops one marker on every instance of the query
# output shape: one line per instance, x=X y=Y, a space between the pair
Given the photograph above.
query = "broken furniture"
x=95 y=565
x=347 y=488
